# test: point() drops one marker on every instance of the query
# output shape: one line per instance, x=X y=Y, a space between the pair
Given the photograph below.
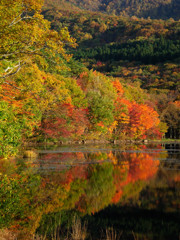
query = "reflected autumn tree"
x=132 y=168
x=29 y=192
x=100 y=189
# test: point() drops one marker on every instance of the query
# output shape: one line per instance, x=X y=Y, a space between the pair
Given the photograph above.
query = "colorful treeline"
x=46 y=95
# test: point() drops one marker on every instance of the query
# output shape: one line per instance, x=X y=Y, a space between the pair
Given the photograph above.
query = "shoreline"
x=95 y=141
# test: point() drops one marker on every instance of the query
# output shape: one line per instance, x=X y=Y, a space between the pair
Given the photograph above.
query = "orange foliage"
x=10 y=93
x=177 y=103
x=177 y=178
x=134 y=119
x=117 y=85
x=117 y=196
x=142 y=118
x=140 y=166
x=100 y=124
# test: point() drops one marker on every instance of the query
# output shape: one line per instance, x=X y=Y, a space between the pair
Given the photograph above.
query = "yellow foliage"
x=113 y=126
x=24 y=35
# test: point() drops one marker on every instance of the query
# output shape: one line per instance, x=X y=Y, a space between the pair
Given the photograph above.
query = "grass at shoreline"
x=166 y=140
x=106 y=142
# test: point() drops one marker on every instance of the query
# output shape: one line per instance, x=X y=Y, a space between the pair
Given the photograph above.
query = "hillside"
x=159 y=9
x=141 y=52
x=121 y=81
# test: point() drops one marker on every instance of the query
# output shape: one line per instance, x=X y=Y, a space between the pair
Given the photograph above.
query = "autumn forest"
x=89 y=119
x=71 y=74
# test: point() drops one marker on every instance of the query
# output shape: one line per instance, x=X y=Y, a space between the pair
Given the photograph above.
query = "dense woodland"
x=140 y=52
x=66 y=75
x=156 y=9
x=71 y=74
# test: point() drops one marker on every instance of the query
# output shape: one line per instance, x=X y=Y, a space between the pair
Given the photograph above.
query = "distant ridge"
x=155 y=9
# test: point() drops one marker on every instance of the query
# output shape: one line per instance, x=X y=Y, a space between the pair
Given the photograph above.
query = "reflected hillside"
x=84 y=182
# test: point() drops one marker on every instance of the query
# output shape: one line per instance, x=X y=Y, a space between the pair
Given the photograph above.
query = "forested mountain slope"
x=50 y=92
x=47 y=95
x=156 y=9
x=141 y=52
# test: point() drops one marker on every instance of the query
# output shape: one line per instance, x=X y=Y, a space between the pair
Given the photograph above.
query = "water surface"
x=134 y=190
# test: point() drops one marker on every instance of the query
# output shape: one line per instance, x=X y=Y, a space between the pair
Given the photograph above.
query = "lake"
x=92 y=192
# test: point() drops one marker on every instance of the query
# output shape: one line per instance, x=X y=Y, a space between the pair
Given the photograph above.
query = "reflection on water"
x=135 y=189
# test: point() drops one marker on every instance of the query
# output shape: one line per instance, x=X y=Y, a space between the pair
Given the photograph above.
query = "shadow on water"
x=133 y=221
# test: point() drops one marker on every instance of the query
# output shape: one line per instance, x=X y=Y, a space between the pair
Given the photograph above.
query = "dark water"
x=107 y=192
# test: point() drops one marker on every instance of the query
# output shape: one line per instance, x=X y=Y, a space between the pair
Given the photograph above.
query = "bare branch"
x=21 y=19
x=15 y=19
x=13 y=70
x=23 y=15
